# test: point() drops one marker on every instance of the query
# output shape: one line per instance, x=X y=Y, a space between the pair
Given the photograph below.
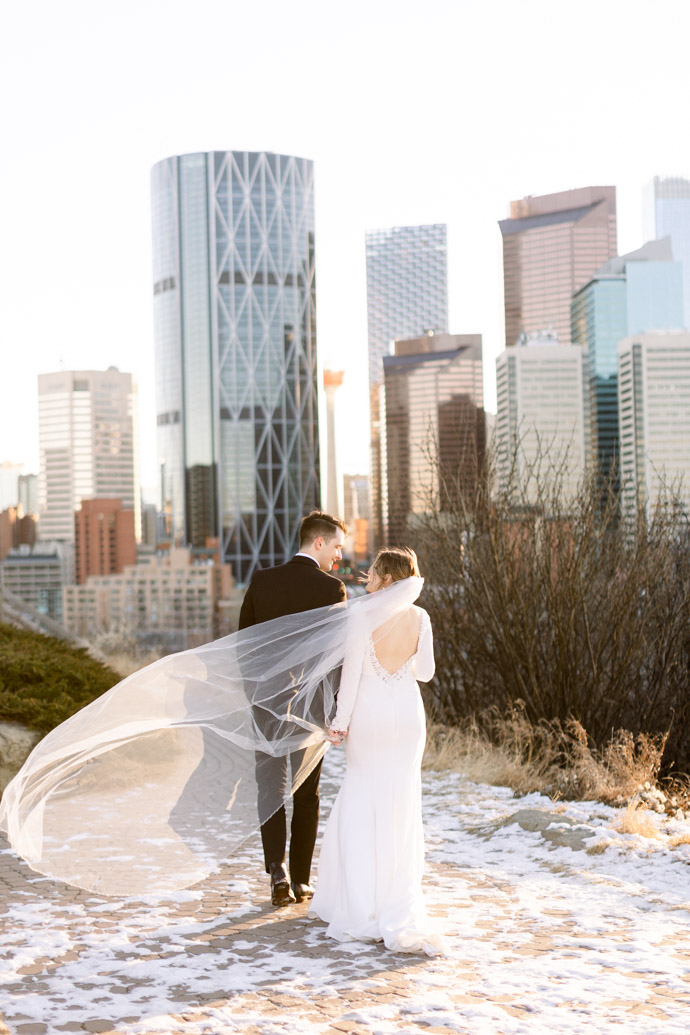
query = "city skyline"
x=428 y=151
x=629 y=294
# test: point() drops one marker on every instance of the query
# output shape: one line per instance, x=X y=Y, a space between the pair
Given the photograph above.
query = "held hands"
x=336 y=737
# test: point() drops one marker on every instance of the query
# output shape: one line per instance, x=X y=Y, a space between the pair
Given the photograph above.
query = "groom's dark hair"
x=319 y=524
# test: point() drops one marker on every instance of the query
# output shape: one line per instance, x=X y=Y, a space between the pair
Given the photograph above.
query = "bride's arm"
x=424 y=665
x=349 y=682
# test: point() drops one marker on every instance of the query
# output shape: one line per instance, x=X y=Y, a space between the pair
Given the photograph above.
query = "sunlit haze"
x=440 y=112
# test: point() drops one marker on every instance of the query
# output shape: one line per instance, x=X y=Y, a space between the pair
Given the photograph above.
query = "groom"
x=300 y=585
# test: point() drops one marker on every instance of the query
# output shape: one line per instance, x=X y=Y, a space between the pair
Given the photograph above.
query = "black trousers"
x=271 y=778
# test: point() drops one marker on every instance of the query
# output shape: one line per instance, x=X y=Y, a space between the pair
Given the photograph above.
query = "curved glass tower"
x=235 y=330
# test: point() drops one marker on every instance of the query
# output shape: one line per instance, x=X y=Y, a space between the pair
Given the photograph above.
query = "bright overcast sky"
x=413 y=112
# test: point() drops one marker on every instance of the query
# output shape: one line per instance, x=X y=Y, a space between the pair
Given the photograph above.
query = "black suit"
x=290 y=588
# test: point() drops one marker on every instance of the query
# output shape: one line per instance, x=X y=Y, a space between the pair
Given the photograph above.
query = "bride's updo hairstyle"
x=397 y=561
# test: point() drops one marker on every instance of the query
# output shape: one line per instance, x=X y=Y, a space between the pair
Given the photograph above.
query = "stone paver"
x=217 y=960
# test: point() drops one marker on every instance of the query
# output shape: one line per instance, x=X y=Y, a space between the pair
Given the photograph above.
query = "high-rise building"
x=407 y=296
x=235 y=329
x=407 y=287
x=667 y=214
x=37 y=574
x=551 y=246
x=88 y=446
x=542 y=430
x=332 y=380
x=630 y=294
x=28 y=493
x=104 y=538
x=654 y=402
x=16 y=529
x=168 y=600
x=356 y=510
x=149 y=526
x=434 y=426
x=9 y=484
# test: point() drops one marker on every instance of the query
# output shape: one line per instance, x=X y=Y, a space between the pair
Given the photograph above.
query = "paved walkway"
x=557 y=924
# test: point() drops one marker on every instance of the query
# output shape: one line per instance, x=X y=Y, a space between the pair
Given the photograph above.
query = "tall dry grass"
x=553 y=758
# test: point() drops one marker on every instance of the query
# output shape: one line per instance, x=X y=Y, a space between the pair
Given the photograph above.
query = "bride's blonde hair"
x=400 y=562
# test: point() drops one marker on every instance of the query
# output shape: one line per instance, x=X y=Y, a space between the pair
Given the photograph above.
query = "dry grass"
x=636 y=820
x=679 y=839
x=552 y=758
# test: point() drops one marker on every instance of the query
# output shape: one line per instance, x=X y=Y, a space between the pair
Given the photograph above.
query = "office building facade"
x=654 y=415
x=630 y=294
x=667 y=214
x=434 y=427
x=28 y=493
x=87 y=425
x=356 y=513
x=551 y=247
x=37 y=574
x=407 y=287
x=542 y=429
x=407 y=296
x=332 y=380
x=16 y=529
x=236 y=365
x=9 y=484
x=104 y=538
x=169 y=599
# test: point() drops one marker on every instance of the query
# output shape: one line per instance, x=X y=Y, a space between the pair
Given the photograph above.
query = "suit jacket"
x=287 y=589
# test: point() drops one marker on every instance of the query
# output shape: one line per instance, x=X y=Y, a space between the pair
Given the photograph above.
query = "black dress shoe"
x=281 y=893
x=302 y=891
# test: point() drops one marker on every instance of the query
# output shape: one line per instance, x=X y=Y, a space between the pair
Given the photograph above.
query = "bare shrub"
x=546 y=597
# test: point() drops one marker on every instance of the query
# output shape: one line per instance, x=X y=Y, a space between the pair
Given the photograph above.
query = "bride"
x=152 y=786
x=372 y=857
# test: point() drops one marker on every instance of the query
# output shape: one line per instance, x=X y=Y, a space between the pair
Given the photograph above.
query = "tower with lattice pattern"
x=236 y=372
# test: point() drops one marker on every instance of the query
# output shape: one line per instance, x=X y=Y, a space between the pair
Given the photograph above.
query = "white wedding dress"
x=372 y=855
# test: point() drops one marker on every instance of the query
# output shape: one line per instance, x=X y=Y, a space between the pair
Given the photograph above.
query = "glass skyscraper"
x=552 y=245
x=667 y=214
x=407 y=296
x=630 y=294
x=407 y=287
x=235 y=328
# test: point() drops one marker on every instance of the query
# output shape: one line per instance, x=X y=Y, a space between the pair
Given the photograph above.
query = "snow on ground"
x=557 y=923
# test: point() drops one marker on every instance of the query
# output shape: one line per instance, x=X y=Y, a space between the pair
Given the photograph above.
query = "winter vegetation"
x=562 y=633
x=562 y=638
x=45 y=680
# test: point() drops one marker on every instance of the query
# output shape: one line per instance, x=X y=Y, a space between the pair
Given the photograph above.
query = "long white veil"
x=151 y=786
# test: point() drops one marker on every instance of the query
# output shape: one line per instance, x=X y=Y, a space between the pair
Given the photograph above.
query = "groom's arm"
x=339 y=591
x=247 y=617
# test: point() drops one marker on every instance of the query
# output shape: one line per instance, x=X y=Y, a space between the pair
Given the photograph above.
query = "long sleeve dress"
x=372 y=855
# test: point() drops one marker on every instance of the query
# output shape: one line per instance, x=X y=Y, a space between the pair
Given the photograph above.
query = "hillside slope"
x=44 y=680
